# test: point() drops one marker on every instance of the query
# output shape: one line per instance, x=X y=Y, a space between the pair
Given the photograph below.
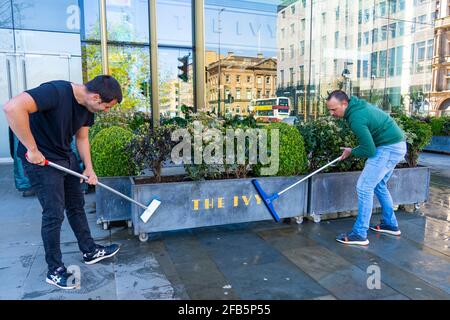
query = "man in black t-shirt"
x=45 y=119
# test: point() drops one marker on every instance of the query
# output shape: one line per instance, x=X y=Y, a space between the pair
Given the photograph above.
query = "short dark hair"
x=339 y=95
x=107 y=87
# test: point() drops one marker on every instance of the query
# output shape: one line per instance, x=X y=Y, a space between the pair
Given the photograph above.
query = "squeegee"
x=268 y=199
x=149 y=210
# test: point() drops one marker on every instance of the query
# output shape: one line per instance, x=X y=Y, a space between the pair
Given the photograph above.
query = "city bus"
x=271 y=109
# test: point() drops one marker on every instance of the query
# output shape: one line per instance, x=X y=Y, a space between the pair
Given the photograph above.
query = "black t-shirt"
x=58 y=118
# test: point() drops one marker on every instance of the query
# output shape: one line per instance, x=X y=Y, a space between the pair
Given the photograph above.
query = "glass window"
x=267 y=80
x=422 y=20
x=130 y=66
x=6 y=20
x=282 y=54
x=173 y=91
x=293 y=9
x=421 y=51
x=398 y=62
x=392 y=6
x=337 y=13
x=336 y=39
x=302 y=48
x=324 y=17
x=282 y=78
x=249 y=78
x=249 y=94
x=375 y=35
x=359 y=39
x=365 y=68
x=430 y=49
x=382 y=68
x=291 y=76
x=259 y=80
x=44 y=15
x=401 y=28
x=383 y=9
x=238 y=94
x=373 y=63
x=127 y=21
x=366 y=38
x=383 y=33
x=393 y=30
x=292 y=28
x=391 y=62
x=291 y=49
x=282 y=33
x=238 y=79
x=303 y=23
x=174 y=19
x=401 y=4
x=302 y=74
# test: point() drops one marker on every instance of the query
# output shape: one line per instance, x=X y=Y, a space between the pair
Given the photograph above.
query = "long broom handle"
x=76 y=174
x=310 y=175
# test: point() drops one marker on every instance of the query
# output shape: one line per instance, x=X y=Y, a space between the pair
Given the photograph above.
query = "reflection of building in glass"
x=241 y=80
x=380 y=50
x=440 y=86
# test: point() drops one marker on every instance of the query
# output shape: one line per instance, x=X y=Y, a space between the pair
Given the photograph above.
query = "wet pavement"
x=261 y=260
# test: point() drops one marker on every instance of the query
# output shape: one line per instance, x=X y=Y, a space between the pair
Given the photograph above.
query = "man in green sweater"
x=383 y=143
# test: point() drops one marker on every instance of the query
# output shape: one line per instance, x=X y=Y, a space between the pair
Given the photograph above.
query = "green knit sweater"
x=372 y=126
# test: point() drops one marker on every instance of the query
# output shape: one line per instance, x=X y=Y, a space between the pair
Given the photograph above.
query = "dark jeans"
x=58 y=191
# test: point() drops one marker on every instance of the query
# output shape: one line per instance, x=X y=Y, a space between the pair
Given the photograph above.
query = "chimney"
x=230 y=53
x=260 y=55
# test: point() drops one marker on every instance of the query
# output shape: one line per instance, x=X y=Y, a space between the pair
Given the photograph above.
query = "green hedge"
x=109 y=156
x=440 y=126
x=418 y=135
x=323 y=139
x=292 y=155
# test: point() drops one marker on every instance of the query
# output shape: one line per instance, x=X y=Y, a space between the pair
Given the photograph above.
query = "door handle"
x=24 y=73
x=8 y=74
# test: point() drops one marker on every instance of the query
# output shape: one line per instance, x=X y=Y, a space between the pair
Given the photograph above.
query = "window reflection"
x=174 y=91
x=130 y=66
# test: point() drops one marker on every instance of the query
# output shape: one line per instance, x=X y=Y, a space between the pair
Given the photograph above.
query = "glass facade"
x=380 y=50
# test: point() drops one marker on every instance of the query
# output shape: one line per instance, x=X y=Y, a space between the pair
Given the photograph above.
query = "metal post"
x=104 y=37
x=154 y=62
x=219 y=29
x=198 y=16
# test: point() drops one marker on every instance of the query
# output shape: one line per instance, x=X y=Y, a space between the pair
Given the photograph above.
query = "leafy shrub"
x=150 y=148
x=109 y=156
x=323 y=139
x=178 y=121
x=292 y=155
x=440 y=126
x=127 y=119
x=418 y=135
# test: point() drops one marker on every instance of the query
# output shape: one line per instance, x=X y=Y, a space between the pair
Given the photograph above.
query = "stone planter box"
x=439 y=144
x=336 y=192
x=196 y=204
x=109 y=206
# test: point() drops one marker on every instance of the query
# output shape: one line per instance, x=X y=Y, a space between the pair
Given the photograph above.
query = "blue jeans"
x=373 y=179
x=58 y=191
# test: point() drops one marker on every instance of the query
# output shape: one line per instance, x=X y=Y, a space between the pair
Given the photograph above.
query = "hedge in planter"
x=440 y=126
x=323 y=139
x=418 y=135
x=292 y=155
x=109 y=156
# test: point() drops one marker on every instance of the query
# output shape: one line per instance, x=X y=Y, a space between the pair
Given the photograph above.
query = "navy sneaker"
x=351 y=238
x=60 y=278
x=384 y=228
x=100 y=253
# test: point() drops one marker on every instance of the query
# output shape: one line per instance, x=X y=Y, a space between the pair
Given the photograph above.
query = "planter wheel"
x=105 y=225
x=299 y=220
x=143 y=237
x=129 y=223
x=316 y=218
